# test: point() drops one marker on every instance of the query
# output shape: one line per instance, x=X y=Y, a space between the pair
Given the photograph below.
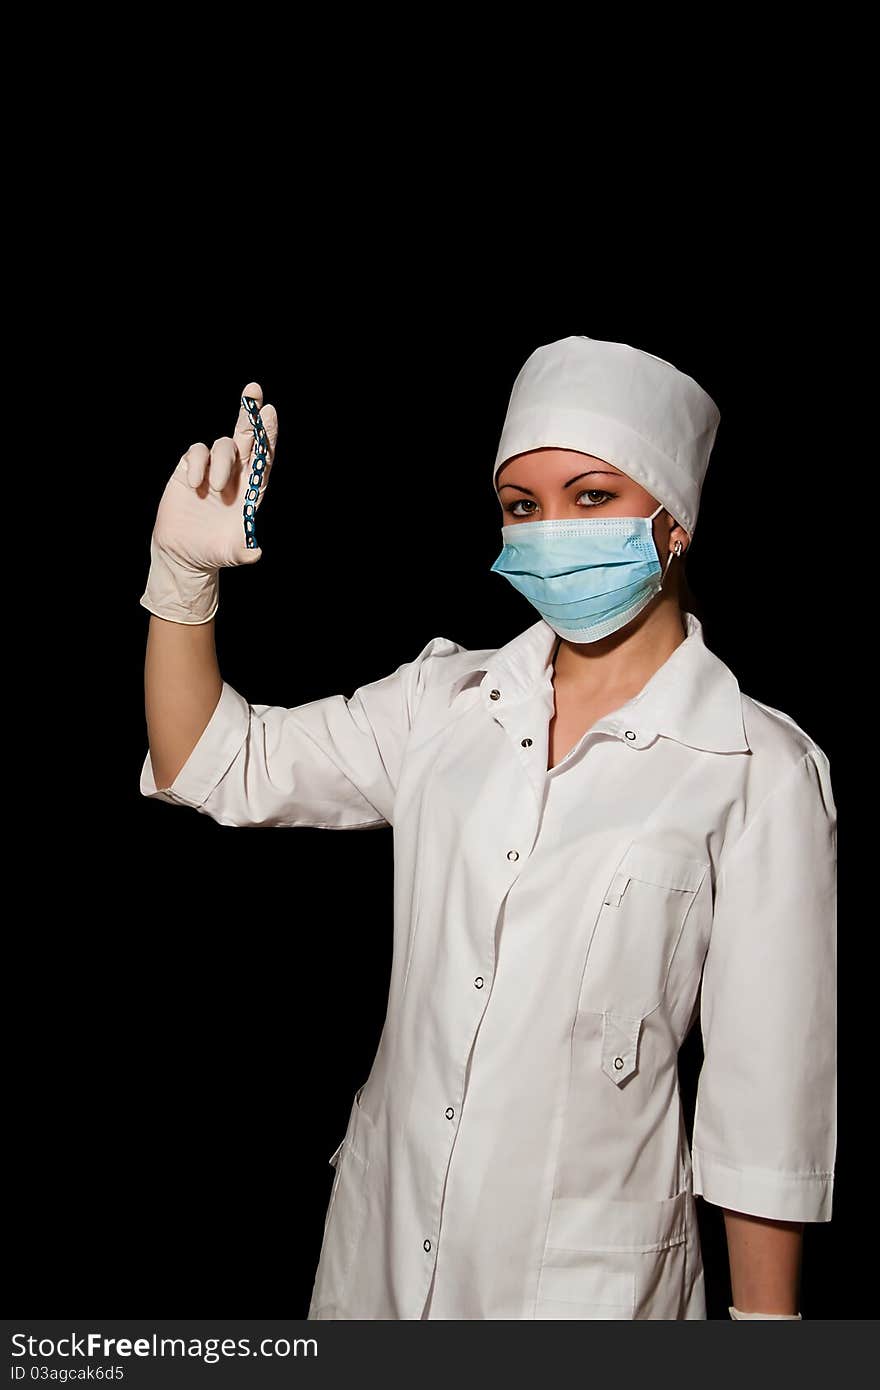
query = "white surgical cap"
x=635 y=410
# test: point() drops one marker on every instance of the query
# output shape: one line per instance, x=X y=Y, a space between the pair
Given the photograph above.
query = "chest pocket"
x=641 y=918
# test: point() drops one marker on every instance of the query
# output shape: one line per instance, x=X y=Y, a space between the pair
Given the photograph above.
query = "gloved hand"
x=739 y=1317
x=209 y=502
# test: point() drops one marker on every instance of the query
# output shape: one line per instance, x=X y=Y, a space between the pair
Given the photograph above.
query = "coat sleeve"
x=333 y=763
x=765 y=1122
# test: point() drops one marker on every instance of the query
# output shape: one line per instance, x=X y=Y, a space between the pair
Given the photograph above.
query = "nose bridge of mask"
x=550 y=528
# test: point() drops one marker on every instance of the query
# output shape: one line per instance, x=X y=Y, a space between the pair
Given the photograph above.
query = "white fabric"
x=635 y=410
x=550 y=932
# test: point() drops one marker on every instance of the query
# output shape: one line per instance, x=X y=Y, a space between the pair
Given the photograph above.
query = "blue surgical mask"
x=587 y=576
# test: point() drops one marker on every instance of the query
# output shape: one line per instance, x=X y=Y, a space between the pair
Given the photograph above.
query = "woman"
x=599 y=839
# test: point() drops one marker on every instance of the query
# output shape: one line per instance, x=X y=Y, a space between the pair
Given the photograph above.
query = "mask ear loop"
x=675 y=551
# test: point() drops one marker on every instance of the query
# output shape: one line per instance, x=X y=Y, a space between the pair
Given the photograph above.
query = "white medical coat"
x=518 y=1149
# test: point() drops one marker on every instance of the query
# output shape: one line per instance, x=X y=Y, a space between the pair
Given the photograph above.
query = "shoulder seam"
x=789 y=720
x=755 y=818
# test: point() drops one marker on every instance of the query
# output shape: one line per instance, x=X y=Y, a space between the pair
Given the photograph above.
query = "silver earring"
x=677 y=550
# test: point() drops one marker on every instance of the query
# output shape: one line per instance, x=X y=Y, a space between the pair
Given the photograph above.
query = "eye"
x=521 y=501
x=595 y=491
x=592 y=492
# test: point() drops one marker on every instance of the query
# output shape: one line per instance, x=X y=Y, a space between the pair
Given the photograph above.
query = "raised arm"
x=206 y=520
x=333 y=763
x=182 y=685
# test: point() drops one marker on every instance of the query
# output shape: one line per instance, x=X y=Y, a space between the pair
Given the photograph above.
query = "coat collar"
x=693 y=697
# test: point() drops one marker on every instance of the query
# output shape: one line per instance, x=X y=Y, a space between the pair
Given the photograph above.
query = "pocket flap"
x=597 y=1223
x=620 y=1045
x=659 y=867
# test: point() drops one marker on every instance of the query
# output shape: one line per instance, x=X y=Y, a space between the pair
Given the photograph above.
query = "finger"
x=262 y=452
x=243 y=433
x=269 y=416
x=260 y=465
x=195 y=463
x=224 y=456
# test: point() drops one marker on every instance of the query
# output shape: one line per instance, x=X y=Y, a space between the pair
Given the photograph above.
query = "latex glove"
x=740 y=1317
x=200 y=524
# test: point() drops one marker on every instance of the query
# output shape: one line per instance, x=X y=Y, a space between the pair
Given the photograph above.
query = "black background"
x=193 y=1006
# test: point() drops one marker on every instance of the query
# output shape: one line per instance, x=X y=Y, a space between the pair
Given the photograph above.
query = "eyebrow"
x=601 y=471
